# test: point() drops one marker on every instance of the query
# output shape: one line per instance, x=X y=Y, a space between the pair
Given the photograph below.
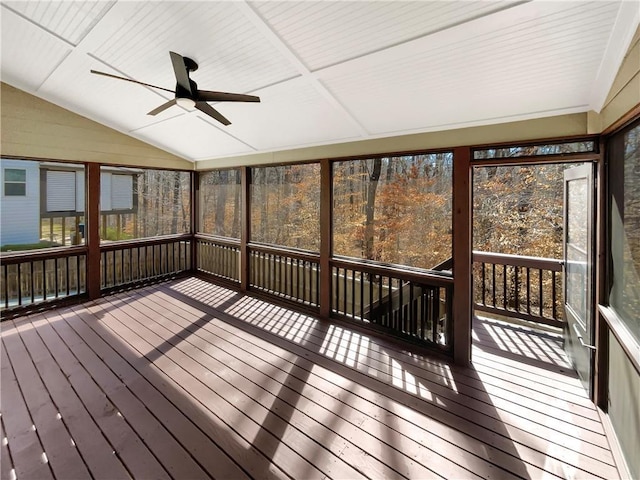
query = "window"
x=142 y=203
x=121 y=192
x=15 y=182
x=394 y=209
x=566 y=148
x=624 y=185
x=285 y=206
x=61 y=191
x=220 y=208
x=50 y=213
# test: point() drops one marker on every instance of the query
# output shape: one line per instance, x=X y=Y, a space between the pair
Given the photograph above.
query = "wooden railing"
x=135 y=261
x=527 y=288
x=33 y=277
x=219 y=257
x=407 y=303
x=288 y=274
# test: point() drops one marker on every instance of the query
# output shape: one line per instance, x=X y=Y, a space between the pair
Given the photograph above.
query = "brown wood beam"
x=462 y=255
x=92 y=229
x=195 y=218
x=326 y=229
x=601 y=341
x=245 y=232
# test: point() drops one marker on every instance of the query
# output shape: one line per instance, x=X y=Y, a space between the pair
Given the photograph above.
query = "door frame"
x=577 y=347
x=599 y=372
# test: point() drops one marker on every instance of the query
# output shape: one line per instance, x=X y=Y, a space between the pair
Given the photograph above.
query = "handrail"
x=288 y=252
x=432 y=277
x=230 y=242
x=142 y=242
x=518 y=260
x=12 y=258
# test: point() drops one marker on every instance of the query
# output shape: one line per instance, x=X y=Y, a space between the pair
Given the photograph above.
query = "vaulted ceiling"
x=326 y=72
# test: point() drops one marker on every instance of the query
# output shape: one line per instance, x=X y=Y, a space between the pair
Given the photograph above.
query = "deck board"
x=189 y=379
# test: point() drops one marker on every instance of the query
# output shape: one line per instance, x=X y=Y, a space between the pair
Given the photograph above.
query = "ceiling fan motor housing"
x=190 y=64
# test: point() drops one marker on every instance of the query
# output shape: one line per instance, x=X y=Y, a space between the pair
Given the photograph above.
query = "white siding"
x=105 y=191
x=80 y=191
x=121 y=192
x=20 y=216
x=61 y=191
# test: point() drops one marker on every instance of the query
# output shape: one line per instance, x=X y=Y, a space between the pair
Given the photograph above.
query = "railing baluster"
x=411 y=312
x=401 y=326
x=390 y=303
x=45 y=286
x=316 y=269
x=504 y=286
x=19 y=284
x=541 y=304
x=553 y=295
x=493 y=284
x=353 y=294
x=344 y=300
x=361 y=296
x=484 y=293
x=517 y=289
x=5 y=276
x=528 y=291
x=423 y=312
x=66 y=276
x=33 y=281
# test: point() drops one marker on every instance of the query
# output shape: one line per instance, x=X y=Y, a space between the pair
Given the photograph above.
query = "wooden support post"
x=326 y=203
x=245 y=233
x=92 y=229
x=462 y=255
x=601 y=340
x=195 y=218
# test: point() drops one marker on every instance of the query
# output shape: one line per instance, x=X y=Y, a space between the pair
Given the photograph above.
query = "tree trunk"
x=374 y=177
x=176 y=202
x=222 y=184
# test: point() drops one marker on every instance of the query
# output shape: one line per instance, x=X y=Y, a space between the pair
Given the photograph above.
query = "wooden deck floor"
x=191 y=380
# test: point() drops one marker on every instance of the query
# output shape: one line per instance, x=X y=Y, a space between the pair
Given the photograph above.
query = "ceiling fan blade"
x=180 y=70
x=129 y=80
x=209 y=96
x=212 y=112
x=162 y=107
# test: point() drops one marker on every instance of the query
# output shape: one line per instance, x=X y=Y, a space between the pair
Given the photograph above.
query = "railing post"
x=92 y=229
x=326 y=200
x=462 y=255
x=245 y=232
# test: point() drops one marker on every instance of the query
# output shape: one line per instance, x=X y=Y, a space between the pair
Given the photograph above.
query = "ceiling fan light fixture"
x=185 y=102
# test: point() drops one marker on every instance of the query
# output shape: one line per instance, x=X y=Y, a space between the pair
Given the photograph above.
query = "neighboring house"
x=20 y=210
x=34 y=190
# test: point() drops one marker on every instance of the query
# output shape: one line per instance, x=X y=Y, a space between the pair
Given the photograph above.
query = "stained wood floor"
x=190 y=380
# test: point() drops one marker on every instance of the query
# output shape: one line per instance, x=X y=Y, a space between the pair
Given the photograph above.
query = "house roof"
x=326 y=72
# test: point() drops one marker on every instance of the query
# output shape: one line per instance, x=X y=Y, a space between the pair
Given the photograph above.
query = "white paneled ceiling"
x=326 y=72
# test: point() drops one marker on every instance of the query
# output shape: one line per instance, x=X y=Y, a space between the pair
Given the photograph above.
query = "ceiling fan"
x=187 y=94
